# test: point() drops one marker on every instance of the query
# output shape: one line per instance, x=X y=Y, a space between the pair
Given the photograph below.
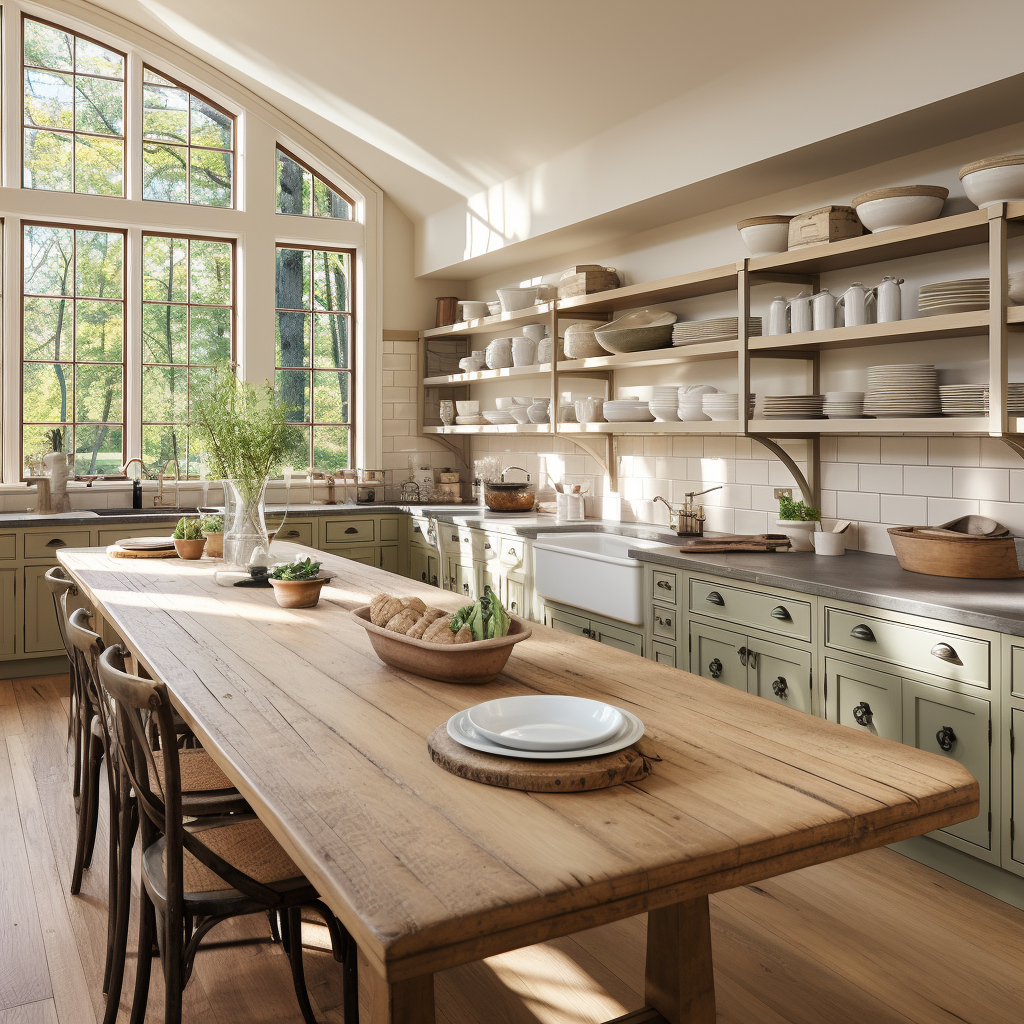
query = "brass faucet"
x=323 y=474
x=159 y=499
x=142 y=467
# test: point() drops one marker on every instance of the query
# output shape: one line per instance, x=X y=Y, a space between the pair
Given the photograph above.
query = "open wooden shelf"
x=913 y=425
x=669 y=289
x=691 y=427
x=502 y=321
x=505 y=373
x=654 y=357
x=491 y=428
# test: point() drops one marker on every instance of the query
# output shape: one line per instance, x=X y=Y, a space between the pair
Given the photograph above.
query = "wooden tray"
x=114 y=551
x=738 y=542
x=628 y=765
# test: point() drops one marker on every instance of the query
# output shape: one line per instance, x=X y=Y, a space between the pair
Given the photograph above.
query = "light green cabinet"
x=714 y=654
x=864 y=698
x=8 y=611
x=42 y=634
x=602 y=630
x=1017 y=786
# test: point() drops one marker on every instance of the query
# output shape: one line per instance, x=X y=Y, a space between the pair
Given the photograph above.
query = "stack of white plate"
x=545 y=727
x=691 y=399
x=628 y=410
x=146 y=543
x=793 y=407
x=965 y=296
x=844 y=405
x=724 y=406
x=720 y=328
x=498 y=416
x=905 y=390
x=972 y=399
x=665 y=404
x=470 y=421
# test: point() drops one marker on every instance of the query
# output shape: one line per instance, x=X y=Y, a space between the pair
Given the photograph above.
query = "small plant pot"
x=190 y=549
x=799 y=532
x=298 y=593
x=214 y=545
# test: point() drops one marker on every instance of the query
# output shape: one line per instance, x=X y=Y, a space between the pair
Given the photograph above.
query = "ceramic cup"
x=524 y=351
x=535 y=332
x=829 y=543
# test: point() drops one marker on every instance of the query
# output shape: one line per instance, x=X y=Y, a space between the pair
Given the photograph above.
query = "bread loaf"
x=429 y=616
x=384 y=607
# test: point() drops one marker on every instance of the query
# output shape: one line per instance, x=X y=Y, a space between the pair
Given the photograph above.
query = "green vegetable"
x=486 y=619
x=188 y=529
x=797 y=510
x=306 y=569
x=213 y=524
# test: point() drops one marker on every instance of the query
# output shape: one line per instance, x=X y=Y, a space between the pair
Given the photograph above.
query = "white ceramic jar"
x=823 y=310
x=499 y=353
x=535 y=332
x=890 y=300
x=524 y=352
x=778 y=316
x=859 y=305
x=800 y=313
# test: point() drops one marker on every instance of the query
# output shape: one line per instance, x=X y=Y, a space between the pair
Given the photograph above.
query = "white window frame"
x=253 y=224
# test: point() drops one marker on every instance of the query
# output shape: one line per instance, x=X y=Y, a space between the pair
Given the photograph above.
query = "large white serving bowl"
x=472 y=310
x=1002 y=182
x=765 y=236
x=504 y=403
x=898 y=211
x=512 y=299
x=545 y=721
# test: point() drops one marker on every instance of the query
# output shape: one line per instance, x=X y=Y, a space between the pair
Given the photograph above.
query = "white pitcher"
x=823 y=309
x=858 y=302
x=778 y=322
x=890 y=300
x=800 y=313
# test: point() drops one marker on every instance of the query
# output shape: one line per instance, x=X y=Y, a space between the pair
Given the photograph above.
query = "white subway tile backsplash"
x=931 y=481
x=857 y=505
x=839 y=476
x=1009 y=514
x=874 y=537
x=942 y=510
x=671 y=468
x=763 y=498
x=644 y=466
x=906 y=510
x=984 y=484
x=657 y=446
x=779 y=475
x=717 y=470
x=883 y=479
x=828 y=504
x=752 y=471
x=954 y=451
x=719 y=447
x=904 y=451
x=688 y=447
x=750 y=521
x=722 y=520
x=859 y=449
x=996 y=455
x=1017 y=485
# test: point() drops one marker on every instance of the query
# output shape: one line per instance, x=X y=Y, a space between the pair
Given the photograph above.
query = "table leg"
x=680 y=981
x=401 y=1002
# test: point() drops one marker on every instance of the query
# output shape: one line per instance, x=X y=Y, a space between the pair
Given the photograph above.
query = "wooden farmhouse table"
x=427 y=870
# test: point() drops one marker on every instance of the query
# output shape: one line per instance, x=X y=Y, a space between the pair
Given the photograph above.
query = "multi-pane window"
x=73 y=112
x=73 y=345
x=314 y=352
x=303 y=193
x=188 y=145
x=187 y=331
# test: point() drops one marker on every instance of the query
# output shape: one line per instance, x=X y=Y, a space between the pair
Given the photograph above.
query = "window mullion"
x=133 y=127
x=133 y=343
x=12 y=349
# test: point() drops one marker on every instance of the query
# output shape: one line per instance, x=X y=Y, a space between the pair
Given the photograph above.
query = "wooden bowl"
x=190 y=549
x=474 y=663
x=963 y=556
x=298 y=593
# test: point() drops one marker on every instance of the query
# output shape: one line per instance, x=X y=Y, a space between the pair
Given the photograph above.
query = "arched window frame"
x=252 y=224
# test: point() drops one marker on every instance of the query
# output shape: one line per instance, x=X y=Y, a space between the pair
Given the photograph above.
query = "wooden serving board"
x=739 y=542
x=114 y=551
x=627 y=765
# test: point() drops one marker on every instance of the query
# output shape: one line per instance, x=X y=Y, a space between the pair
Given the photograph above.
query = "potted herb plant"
x=213 y=531
x=798 y=521
x=243 y=431
x=188 y=538
x=297 y=584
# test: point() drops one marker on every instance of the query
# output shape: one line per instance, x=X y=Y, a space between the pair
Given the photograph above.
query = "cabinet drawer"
x=778 y=615
x=512 y=552
x=663 y=654
x=962 y=658
x=515 y=596
x=664 y=586
x=664 y=622
x=295 y=533
x=8 y=546
x=46 y=545
x=953 y=725
x=864 y=699
x=351 y=531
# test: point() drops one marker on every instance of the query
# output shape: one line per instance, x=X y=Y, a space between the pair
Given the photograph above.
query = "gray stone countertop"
x=877 y=581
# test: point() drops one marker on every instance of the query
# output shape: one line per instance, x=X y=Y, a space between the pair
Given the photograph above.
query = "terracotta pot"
x=298 y=593
x=190 y=549
x=214 y=545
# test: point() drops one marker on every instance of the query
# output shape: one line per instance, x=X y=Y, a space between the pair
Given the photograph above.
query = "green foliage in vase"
x=188 y=529
x=798 y=511
x=56 y=439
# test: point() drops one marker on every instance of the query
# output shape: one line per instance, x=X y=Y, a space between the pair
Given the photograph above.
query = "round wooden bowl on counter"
x=472 y=664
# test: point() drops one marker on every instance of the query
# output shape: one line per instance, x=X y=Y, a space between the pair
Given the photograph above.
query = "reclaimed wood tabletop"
x=427 y=870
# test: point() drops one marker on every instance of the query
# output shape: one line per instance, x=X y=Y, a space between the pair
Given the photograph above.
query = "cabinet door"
x=663 y=654
x=1017 y=784
x=465 y=581
x=41 y=630
x=387 y=558
x=781 y=674
x=418 y=569
x=7 y=615
x=567 y=622
x=714 y=655
x=864 y=698
x=617 y=637
x=432 y=570
x=958 y=726
x=514 y=596
x=490 y=576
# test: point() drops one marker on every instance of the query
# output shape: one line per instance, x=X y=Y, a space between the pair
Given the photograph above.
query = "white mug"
x=829 y=543
x=800 y=313
x=778 y=320
x=890 y=300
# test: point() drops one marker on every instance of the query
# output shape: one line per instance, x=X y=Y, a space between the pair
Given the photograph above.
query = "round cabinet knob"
x=781 y=688
x=515 y=607
x=862 y=714
x=715 y=668
x=433 y=580
x=715 y=598
x=487 y=547
x=423 y=576
x=945 y=738
x=779 y=612
x=862 y=632
x=946 y=653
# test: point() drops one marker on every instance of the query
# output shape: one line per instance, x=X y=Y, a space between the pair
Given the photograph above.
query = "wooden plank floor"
x=872 y=938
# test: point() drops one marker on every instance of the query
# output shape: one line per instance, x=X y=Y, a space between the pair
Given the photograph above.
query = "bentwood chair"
x=198 y=873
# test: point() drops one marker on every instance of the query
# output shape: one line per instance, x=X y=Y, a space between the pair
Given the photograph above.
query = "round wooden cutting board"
x=627 y=765
x=113 y=551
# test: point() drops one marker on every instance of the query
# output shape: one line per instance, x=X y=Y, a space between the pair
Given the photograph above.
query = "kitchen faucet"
x=159 y=499
x=136 y=484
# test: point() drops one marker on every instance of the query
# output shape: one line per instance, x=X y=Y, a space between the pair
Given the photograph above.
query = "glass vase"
x=245 y=527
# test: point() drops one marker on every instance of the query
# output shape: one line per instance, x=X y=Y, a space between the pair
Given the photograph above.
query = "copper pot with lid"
x=509 y=497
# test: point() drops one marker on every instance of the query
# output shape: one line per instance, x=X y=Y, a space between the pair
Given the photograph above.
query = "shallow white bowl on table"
x=541 y=721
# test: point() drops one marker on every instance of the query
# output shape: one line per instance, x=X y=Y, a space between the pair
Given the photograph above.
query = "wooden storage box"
x=586 y=280
x=827 y=224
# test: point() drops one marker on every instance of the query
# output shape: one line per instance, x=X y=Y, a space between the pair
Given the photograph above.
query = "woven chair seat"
x=199 y=772
x=246 y=845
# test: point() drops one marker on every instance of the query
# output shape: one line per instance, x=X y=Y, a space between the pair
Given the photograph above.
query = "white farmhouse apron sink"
x=592 y=571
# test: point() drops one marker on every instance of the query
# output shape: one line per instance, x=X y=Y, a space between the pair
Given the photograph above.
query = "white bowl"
x=504 y=403
x=472 y=310
x=473 y=363
x=692 y=413
x=898 y=211
x=538 y=414
x=990 y=185
x=695 y=392
x=524 y=352
x=665 y=413
x=498 y=416
x=545 y=721
x=468 y=408
x=520 y=414
x=765 y=239
x=512 y=299
x=528 y=400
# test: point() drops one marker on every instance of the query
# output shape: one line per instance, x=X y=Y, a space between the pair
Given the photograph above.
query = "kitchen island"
x=427 y=870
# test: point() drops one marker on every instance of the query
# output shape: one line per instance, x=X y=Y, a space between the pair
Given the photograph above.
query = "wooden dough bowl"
x=935 y=552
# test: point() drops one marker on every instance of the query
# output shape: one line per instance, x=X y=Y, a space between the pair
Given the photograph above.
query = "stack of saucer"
x=941 y=297
x=665 y=404
x=724 y=406
x=972 y=399
x=844 y=405
x=628 y=410
x=793 y=407
x=718 y=329
x=905 y=390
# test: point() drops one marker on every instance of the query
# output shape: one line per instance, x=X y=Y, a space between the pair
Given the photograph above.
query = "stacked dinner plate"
x=965 y=296
x=905 y=390
x=793 y=407
x=724 y=406
x=628 y=410
x=972 y=399
x=844 y=405
x=665 y=404
x=718 y=329
x=545 y=727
